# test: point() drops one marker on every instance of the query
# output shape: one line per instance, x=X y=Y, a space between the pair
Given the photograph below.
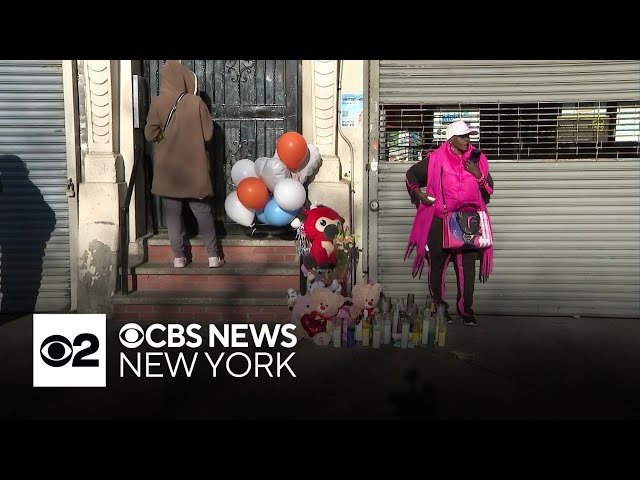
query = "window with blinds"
x=516 y=131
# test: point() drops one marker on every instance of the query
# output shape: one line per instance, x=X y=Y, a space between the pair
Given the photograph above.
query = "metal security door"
x=563 y=142
x=34 y=209
x=253 y=102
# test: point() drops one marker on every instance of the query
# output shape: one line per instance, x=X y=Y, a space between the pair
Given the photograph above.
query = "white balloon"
x=271 y=171
x=237 y=211
x=289 y=194
x=310 y=166
x=242 y=169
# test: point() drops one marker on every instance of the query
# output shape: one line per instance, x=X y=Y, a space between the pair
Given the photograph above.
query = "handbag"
x=467 y=228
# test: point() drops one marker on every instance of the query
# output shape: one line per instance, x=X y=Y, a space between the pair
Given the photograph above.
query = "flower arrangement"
x=344 y=244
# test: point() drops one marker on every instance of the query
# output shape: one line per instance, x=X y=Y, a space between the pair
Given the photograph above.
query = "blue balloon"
x=277 y=216
x=261 y=217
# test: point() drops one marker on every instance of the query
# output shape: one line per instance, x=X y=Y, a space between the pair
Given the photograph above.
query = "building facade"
x=562 y=138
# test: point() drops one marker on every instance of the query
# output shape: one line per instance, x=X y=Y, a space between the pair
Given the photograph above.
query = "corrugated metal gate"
x=34 y=212
x=468 y=81
x=562 y=140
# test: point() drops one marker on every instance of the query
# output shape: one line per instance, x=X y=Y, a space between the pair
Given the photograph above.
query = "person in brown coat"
x=180 y=123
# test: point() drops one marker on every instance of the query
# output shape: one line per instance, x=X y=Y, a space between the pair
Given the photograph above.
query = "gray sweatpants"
x=175 y=225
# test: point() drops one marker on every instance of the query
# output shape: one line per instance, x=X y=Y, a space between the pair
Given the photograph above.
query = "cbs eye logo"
x=56 y=351
x=131 y=335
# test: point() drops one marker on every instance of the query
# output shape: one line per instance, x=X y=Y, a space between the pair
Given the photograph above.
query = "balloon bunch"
x=271 y=189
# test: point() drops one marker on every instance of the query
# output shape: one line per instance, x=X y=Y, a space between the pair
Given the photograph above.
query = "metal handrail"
x=124 y=230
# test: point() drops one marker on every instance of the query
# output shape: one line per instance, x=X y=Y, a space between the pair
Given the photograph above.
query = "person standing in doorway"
x=460 y=172
x=181 y=125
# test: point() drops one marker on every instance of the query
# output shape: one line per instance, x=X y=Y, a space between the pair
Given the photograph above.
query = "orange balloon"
x=292 y=149
x=253 y=193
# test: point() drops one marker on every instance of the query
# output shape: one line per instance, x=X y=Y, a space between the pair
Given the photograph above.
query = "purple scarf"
x=424 y=218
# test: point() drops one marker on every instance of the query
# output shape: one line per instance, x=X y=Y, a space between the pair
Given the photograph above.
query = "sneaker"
x=180 y=262
x=471 y=321
x=448 y=317
x=215 y=262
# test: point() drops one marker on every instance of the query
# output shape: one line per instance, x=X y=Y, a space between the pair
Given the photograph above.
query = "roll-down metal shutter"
x=457 y=81
x=567 y=232
x=34 y=212
x=567 y=239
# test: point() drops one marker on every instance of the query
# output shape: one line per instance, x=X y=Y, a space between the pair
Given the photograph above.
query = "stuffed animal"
x=335 y=287
x=292 y=295
x=301 y=307
x=317 y=227
x=314 y=280
x=318 y=323
x=365 y=297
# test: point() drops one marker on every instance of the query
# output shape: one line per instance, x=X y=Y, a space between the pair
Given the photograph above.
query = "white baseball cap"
x=459 y=127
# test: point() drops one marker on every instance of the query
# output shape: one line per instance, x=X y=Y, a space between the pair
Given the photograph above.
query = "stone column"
x=101 y=190
x=320 y=127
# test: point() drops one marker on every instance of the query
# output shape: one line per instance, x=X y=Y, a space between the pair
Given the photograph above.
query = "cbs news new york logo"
x=69 y=350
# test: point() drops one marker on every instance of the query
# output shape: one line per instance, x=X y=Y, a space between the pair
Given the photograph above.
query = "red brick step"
x=239 y=277
x=234 y=249
x=174 y=306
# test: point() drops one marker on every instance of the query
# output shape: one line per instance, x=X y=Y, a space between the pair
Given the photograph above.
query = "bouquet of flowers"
x=344 y=244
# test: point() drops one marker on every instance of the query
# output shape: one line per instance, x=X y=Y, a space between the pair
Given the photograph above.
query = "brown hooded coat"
x=181 y=164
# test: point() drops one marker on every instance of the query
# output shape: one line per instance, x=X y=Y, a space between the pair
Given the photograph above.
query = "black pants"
x=464 y=263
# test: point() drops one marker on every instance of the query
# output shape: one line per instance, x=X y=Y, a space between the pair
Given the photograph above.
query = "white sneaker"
x=215 y=262
x=180 y=262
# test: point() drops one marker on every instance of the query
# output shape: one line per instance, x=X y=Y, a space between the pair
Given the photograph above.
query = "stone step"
x=177 y=306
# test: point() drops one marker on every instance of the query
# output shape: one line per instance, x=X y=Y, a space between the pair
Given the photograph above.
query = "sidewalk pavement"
x=506 y=368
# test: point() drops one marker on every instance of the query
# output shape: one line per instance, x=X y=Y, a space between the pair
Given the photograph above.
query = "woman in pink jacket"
x=460 y=172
